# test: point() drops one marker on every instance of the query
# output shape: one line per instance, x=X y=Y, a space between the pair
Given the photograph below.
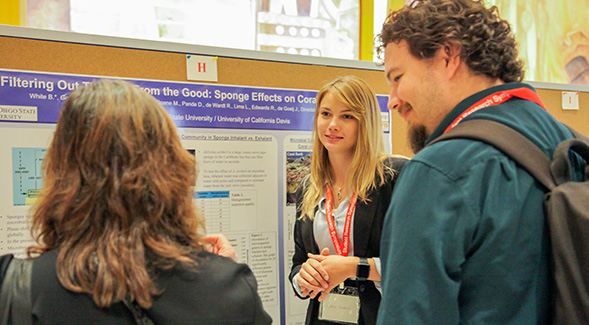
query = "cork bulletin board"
x=87 y=59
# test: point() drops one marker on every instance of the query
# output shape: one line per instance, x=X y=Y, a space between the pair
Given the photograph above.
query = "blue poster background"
x=189 y=104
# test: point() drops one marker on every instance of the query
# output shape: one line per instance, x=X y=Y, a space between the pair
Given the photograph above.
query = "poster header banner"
x=34 y=97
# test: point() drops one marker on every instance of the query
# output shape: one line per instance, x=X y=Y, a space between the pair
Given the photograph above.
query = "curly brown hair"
x=487 y=43
x=117 y=195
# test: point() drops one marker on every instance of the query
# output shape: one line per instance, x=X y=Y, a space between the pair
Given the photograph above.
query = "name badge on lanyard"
x=342 y=305
x=340 y=308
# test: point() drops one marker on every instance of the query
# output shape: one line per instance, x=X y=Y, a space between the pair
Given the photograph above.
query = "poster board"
x=241 y=169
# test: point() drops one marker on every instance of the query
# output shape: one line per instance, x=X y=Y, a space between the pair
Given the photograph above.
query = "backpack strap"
x=138 y=314
x=15 y=295
x=509 y=141
x=563 y=166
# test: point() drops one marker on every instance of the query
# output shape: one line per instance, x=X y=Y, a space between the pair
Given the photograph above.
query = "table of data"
x=215 y=205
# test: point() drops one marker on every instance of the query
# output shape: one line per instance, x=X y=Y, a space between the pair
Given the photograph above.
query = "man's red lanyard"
x=496 y=99
x=341 y=248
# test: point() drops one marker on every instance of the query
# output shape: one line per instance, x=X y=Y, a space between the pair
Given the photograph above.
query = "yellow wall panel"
x=10 y=12
x=366 y=29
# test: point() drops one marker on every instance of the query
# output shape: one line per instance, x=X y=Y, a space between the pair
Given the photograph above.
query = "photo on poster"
x=298 y=165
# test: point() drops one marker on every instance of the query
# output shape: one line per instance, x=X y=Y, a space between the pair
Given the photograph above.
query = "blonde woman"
x=341 y=207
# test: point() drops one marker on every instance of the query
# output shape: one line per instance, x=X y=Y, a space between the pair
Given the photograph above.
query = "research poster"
x=252 y=147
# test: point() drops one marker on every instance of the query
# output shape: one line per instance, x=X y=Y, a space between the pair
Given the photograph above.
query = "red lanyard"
x=341 y=248
x=496 y=99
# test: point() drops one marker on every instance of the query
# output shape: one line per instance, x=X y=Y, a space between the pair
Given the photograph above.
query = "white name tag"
x=340 y=308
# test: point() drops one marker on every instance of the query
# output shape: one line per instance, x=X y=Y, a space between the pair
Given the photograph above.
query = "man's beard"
x=417 y=137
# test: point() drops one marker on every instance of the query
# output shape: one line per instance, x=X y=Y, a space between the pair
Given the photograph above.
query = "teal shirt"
x=465 y=239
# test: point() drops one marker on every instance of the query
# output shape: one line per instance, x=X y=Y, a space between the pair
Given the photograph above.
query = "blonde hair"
x=367 y=170
x=117 y=195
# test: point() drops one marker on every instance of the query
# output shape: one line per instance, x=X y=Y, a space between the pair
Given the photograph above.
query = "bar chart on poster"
x=26 y=169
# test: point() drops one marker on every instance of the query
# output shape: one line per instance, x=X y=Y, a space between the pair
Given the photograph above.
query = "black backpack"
x=566 y=204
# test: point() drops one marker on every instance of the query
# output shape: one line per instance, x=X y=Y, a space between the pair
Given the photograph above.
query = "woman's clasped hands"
x=321 y=273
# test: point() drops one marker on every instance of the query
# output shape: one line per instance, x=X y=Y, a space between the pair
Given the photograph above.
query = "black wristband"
x=363 y=269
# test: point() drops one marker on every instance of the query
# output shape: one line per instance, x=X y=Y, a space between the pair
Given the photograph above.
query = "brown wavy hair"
x=488 y=45
x=367 y=170
x=116 y=198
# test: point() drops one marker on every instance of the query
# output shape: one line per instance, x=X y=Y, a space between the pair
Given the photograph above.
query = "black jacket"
x=368 y=221
x=219 y=292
